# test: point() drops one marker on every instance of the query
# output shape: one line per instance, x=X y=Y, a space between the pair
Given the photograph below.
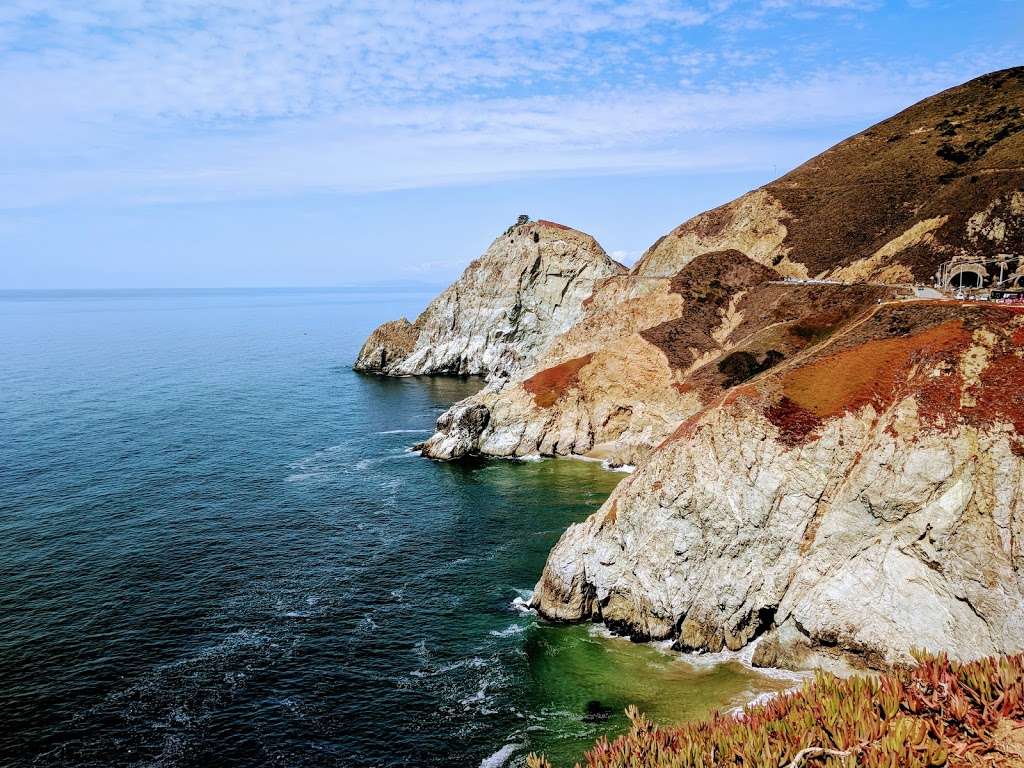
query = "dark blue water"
x=217 y=550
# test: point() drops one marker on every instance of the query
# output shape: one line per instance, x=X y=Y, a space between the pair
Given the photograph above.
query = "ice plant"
x=938 y=713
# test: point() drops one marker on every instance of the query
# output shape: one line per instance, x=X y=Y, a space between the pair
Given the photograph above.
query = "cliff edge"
x=845 y=507
x=502 y=312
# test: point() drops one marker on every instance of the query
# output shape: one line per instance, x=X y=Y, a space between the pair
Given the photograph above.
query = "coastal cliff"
x=943 y=179
x=502 y=312
x=864 y=500
x=620 y=382
x=828 y=465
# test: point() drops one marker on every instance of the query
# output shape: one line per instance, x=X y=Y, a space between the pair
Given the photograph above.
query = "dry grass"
x=948 y=155
x=872 y=373
x=906 y=350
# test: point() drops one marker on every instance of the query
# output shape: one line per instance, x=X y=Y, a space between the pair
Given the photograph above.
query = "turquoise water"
x=217 y=550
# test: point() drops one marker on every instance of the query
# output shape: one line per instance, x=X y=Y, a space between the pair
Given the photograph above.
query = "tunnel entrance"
x=965 y=278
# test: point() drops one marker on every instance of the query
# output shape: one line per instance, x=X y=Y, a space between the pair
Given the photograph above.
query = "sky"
x=235 y=143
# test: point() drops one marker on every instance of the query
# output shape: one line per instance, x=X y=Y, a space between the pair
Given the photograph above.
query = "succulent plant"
x=937 y=713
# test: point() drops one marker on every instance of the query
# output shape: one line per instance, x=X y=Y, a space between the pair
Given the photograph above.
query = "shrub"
x=938 y=713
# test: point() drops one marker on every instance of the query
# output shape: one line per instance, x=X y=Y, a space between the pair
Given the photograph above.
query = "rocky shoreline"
x=830 y=468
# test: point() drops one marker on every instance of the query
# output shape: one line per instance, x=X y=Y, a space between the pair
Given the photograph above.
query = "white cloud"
x=137 y=100
x=379 y=148
x=263 y=58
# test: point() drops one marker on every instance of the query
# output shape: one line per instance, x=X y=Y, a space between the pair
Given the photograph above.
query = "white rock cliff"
x=839 y=512
x=502 y=313
x=830 y=471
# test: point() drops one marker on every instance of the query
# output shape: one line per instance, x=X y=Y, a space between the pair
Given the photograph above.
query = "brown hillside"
x=548 y=385
x=948 y=155
x=943 y=178
x=961 y=361
x=707 y=285
x=735 y=307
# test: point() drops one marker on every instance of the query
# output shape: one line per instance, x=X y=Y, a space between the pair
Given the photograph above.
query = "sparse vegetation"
x=939 y=713
x=905 y=350
x=853 y=199
x=952 y=154
x=740 y=366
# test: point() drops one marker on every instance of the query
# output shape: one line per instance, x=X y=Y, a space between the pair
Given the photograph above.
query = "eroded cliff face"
x=843 y=508
x=829 y=469
x=501 y=313
x=622 y=379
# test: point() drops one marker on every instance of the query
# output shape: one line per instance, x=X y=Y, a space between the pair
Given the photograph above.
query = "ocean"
x=217 y=549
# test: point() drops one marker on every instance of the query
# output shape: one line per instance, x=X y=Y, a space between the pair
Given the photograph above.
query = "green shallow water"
x=580 y=669
x=216 y=549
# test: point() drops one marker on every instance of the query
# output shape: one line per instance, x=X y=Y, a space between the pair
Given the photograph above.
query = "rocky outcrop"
x=388 y=346
x=841 y=510
x=831 y=470
x=504 y=310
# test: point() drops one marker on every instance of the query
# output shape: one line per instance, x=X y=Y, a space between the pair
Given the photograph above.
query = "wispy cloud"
x=138 y=101
x=265 y=59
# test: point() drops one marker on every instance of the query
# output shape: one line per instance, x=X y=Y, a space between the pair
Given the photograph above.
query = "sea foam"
x=500 y=757
x=521 y=602
x=509 y=631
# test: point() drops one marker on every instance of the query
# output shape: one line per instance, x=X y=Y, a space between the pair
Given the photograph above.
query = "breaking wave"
x=500 y=757
x=521 y=602
x=509 y=631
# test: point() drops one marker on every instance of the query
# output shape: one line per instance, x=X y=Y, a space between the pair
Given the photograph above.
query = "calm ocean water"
x=217 y=550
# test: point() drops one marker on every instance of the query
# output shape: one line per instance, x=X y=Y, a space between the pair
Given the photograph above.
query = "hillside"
x=887 y=206
x=720 y=320
x=941 y=179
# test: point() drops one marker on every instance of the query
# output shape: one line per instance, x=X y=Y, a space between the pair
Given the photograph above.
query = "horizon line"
x=396 y=285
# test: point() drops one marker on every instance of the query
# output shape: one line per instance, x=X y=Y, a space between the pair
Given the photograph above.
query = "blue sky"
x=265 y=142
